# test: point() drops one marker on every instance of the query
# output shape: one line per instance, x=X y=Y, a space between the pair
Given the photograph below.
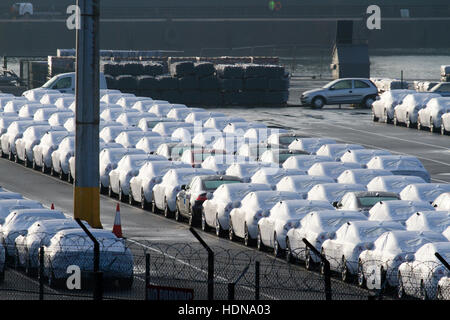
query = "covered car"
x=442 y=202
x=42 y=152
x=332 y=192
x=434 y=220
x=363 y=201
x=283 y=216
x=301 y=184
x=383 y=108
x=430 y=116
x=362 y=156
x=271 y=176
x=397 y=210
x=408 y=110
x=332 y=169
x=221 y=162
x=424 y=191
x=392 y=183
x=254 y=206
x=311 y=145
x=337 y=150
x=304 y=162
x=74 y=247
x=246 y=170
x=400 y=165
x=361 y=176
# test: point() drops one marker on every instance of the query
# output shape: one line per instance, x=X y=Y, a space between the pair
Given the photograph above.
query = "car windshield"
x=50 y=82
x=214 y=184
x=369 y=202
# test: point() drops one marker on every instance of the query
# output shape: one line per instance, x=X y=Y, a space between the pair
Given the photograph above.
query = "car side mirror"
x=183 y=187
x=335 y=204
x=331 y=88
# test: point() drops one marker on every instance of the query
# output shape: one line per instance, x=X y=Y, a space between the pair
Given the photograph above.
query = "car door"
x=341 y=92
x=360 y=90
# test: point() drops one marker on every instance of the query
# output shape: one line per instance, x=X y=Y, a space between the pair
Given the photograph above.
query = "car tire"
x=62 y=176
x=408 y=121
x=423 y=291
x=259 y=244
x=431 y=125
x=167 y=212
x=43 y=167
x=130 y=199
x=395 y=120
x=345 y=275
x=218 y=228
x=277 y=251
x=289 y=256
x=419 y=125
x=154 y=207
x=204 y=225
x=386 y=117
x=230 y=232
x=439 y=295
x=309 y=263
x=69 y=177
x=400 y=287
x=26 y=162
x=177 y=214
x=318 y=103
x=52 y=171
x=374 y=117
x=443 y=131
x=16 y=158
x=144 y=203
x=361 y=277
x=368 y=101
x=191 y=219
x=248 y=241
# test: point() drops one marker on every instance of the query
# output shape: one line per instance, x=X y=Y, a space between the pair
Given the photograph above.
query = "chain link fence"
x=127 y=269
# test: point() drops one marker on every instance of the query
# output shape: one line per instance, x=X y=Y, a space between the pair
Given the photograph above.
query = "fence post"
x=442 y=260
x=98 y=276
x=210 y=263
x=231 y=287
x=326 y=264
x=147 y=274
x=257 y=280
x=41 y=273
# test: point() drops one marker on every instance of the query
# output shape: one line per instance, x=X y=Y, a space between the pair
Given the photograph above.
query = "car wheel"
x=309 y=263
x=408 y=121
x=167 y=212
x=191 y=218
x=10 y=155
x=321 y=264
x=205 y=226
x=69 y=177
x=344 y=270
x=368 y=101
x=62 y=175
x=248 y=241
x=16 y=158
x=439 y=294
x=43 y=167
x=318 y=102
x=374 y=117
x=177 y=214
x=386 y=117
x=154 y=208
x=130 y=199
x=219 y=230
x=383 y=275
x=52 y=171
x=34 y=165
x=419 y=125
x=25 y=160
x=230 y=232
x=361 y=277
x=395 y=120
x=423 y=291
x=400 y=287
x=431 y=125
x=289 y=256
x=143 y=201
x=442 y=129
x=259 y=244
x=277 y=251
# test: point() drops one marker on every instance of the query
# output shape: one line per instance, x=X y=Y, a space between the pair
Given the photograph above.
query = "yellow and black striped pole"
x=86 y=191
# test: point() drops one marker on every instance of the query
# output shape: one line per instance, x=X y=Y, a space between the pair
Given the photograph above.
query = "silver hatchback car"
x=342 y=91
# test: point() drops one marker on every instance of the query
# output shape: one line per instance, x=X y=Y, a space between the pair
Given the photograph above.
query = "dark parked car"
x=191 y=197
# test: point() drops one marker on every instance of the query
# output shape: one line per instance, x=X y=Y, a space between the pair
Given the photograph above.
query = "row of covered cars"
x=268 y=187
x=415 y=109
x=26 y=226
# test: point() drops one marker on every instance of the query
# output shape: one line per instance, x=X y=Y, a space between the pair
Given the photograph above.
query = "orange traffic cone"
x=52 y=207
x=117 y=228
